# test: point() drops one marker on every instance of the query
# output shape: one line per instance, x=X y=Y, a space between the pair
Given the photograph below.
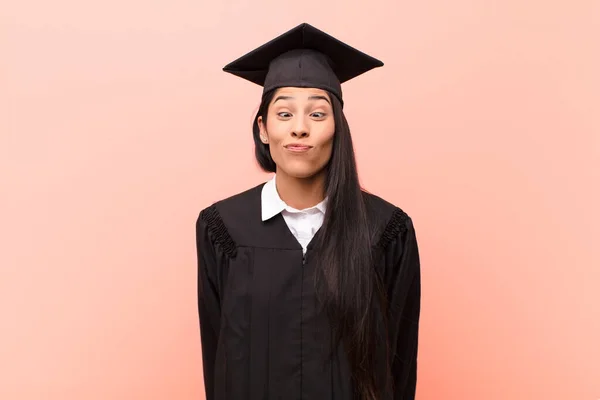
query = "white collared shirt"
x=302 y=223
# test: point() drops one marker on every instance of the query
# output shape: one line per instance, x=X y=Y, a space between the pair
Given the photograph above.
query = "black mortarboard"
x=303 y=57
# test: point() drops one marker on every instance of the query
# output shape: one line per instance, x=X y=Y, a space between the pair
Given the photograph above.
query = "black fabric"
x=262 y=336
x=303 y=57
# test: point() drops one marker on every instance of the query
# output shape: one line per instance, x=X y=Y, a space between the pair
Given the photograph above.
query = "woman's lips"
x=298 y=148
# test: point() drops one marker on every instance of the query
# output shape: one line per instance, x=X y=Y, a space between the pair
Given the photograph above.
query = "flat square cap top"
x=303 y=57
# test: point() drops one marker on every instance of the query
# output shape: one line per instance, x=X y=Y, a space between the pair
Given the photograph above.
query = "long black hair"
x=346 y=281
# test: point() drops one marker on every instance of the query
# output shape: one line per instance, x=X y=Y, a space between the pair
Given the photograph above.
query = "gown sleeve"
x=213 y=245
x=404 y=291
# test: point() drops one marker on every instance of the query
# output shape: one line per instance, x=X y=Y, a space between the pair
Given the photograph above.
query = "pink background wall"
x=118 y=126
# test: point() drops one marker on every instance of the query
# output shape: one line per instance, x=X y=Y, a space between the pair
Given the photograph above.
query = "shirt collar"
x=272 y=204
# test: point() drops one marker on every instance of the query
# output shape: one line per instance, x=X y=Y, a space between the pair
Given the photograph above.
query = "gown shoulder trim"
x=395 y=226
x=218 y=230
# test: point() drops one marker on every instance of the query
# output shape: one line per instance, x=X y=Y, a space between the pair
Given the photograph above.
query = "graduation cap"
x=303 y=57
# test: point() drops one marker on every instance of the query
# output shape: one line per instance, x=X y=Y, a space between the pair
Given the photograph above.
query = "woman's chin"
x=302 y=173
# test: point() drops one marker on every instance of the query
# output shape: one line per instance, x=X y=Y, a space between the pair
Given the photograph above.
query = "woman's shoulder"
x=389 y=220
x=381 y=210
x=238 y=203
x=230 y=219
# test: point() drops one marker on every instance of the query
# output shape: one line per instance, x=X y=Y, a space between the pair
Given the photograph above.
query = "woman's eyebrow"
x=318 y=97
x=315 y=97
x=283 y=98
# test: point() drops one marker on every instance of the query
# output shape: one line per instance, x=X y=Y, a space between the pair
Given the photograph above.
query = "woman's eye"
x=318 y=114
x=284 y=114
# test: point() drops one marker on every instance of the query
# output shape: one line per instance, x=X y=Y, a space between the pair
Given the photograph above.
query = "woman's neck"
x=301 y=193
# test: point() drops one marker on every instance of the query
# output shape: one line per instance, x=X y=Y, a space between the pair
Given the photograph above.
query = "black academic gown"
x=261 y=335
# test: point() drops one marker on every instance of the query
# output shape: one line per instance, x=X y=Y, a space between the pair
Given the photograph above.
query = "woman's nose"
x=300 y=133
x=300 y=128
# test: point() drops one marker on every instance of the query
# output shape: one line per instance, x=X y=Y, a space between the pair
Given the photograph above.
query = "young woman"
x=308 y=286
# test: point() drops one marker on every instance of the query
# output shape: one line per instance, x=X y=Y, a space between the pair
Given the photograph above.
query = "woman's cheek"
x=275 y=154
x=326 y=155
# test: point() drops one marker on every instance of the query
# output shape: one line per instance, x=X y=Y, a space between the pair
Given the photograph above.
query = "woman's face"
x=299 y=130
